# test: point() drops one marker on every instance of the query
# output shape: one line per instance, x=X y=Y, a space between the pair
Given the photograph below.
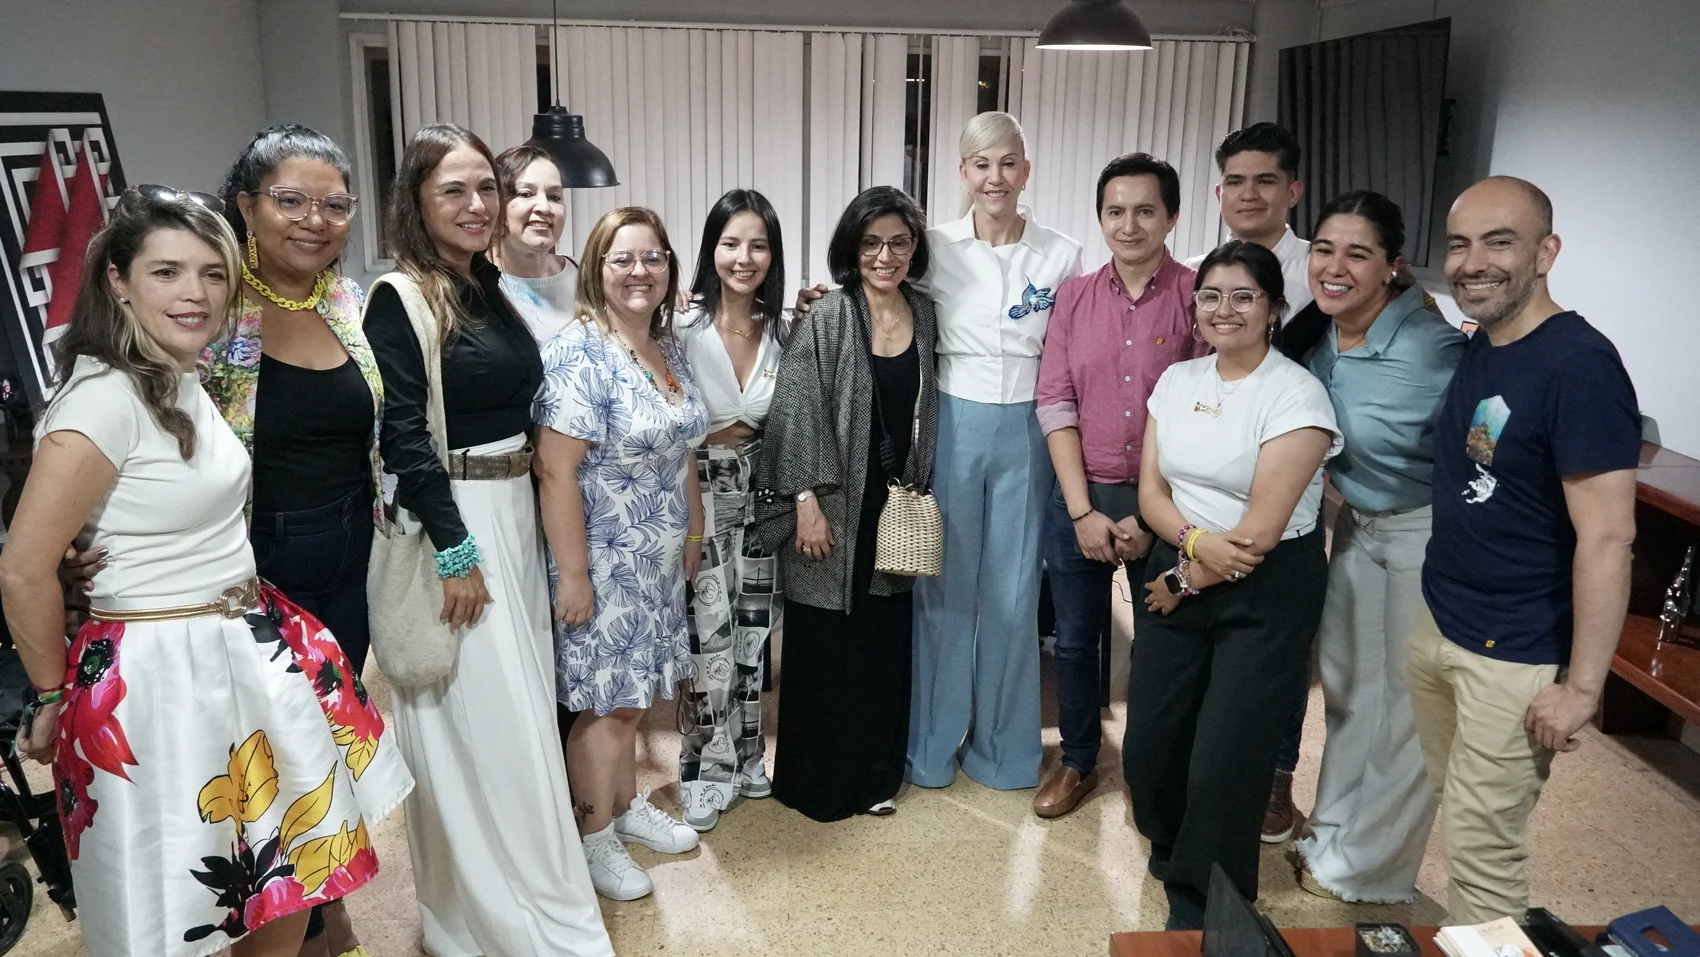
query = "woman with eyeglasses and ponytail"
x=216 y=776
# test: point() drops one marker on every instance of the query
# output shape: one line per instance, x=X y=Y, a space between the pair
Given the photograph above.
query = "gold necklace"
x=292 y=305
x=739 y=332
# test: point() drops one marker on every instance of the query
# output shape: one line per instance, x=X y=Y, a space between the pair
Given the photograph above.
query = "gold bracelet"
x=693 y=538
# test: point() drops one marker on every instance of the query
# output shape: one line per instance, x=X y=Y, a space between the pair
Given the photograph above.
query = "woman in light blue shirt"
x=1386 y=364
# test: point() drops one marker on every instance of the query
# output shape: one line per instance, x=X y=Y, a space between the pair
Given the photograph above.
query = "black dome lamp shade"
x=561 y=135
x=1095 y=25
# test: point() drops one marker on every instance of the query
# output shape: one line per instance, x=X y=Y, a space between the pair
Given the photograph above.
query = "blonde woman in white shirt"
x=995 y=274
x=733 y=335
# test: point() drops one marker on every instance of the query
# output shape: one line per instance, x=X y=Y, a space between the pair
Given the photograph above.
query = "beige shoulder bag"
x=403 y=592
x=909 y=539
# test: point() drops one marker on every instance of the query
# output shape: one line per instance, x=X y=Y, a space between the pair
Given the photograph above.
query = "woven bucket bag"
x=910 y=537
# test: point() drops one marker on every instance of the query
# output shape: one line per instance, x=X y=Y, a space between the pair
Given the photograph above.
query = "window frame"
x=364 y=148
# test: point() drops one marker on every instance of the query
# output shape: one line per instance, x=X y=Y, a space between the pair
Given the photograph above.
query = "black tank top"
x=312 y=435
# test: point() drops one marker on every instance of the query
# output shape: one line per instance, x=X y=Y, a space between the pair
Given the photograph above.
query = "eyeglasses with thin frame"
x=900 y=246
x=295 y=205
x=1240 y=300
x=653 y=260
x=170 y=194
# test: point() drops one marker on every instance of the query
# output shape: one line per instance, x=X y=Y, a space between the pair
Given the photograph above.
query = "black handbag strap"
x=888 y=448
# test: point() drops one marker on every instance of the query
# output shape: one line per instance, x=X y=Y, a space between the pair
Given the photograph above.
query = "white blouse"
x=545 y=304
x=717 y=380
x=1209 y=434
x=993 y=306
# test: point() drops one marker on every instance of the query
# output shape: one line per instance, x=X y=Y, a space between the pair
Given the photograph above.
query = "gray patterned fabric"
x=817 y=438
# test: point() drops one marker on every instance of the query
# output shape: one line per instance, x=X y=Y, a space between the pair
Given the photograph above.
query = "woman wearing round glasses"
x=619 y=417
x=496 y=858
x=1234 y=581
x=854 y=408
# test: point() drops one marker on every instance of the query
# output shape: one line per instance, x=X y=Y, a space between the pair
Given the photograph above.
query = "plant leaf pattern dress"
x=635 y=647
x=213 y=774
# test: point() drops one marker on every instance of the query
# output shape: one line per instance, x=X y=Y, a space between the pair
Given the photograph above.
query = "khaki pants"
x=1486 y=769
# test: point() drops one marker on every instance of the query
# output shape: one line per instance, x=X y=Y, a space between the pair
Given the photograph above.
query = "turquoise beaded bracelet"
x=459 y=561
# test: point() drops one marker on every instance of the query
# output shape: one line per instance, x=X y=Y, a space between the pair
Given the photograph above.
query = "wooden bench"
x=1652 y=685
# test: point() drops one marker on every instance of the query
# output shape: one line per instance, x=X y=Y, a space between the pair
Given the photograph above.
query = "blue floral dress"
x=635 y=646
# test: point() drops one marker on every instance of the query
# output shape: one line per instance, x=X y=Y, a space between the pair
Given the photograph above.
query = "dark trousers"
x=1287 y=758
x=317 y=557
x=1210 y=691
x=1080 y=594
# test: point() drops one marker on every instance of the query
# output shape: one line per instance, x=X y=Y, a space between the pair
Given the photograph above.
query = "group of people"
x=626 y=485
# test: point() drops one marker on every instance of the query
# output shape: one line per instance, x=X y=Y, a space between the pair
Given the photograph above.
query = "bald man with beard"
x=1526 y=579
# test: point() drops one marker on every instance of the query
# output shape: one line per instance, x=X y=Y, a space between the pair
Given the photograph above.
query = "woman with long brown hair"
x=496 y=859
x=619 y=417
x=215 y=780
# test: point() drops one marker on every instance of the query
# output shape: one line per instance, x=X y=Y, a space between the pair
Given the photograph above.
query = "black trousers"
x=1210 y=691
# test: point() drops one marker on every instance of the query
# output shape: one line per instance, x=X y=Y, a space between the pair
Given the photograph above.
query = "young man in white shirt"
x=1260 y=186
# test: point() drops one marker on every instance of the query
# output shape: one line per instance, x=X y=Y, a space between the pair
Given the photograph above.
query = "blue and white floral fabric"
x=632 y=481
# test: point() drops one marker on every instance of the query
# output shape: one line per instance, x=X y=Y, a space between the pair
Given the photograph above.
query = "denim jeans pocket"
x=302 y=564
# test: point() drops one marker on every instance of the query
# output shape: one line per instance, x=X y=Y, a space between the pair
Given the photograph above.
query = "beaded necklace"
x=320 y=285
x=673 y=393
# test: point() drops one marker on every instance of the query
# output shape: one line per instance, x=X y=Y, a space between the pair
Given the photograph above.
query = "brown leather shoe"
x=1063 y=792
x=1281 y=819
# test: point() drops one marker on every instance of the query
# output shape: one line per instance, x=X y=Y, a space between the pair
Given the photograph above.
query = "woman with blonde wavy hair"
x=215 y=780
x=619 y=417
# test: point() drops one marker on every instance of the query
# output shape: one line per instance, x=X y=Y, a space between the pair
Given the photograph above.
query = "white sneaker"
x=648 y=825
x=754 y=784
x=612 y=871
x=704 y=823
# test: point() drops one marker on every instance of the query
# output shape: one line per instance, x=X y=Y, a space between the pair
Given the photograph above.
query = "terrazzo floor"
x=964 y=870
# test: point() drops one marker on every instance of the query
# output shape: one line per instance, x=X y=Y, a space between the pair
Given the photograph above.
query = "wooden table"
x=1305 y=941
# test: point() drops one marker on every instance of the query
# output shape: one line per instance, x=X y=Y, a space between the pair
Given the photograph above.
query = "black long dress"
x=844 y=680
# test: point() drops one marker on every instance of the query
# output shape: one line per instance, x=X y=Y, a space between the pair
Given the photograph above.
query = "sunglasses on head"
x=167 y=194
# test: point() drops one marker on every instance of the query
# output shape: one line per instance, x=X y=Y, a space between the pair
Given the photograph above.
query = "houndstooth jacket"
x=817 y=438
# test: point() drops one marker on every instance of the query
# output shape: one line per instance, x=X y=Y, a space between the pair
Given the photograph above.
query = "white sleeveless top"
x=717 y=380
x=174 y=530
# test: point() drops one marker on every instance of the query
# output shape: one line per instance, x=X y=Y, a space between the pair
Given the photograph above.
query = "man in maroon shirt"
x=1112 y=333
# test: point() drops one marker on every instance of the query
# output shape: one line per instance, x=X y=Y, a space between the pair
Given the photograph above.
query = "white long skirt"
x=497 y=864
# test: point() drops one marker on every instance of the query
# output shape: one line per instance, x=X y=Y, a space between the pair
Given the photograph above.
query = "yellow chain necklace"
x=293 y=305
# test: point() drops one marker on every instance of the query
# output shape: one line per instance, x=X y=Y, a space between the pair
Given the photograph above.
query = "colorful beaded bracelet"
x=459 y=561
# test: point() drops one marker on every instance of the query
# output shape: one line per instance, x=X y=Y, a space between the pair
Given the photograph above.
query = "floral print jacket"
x=230 y=367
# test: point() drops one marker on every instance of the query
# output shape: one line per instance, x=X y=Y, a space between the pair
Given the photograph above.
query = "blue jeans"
x=317 y=557
x=1080 y=592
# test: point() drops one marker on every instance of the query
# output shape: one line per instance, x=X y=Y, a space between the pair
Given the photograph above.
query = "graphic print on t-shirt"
x=1486 y=426
x=1033 y=301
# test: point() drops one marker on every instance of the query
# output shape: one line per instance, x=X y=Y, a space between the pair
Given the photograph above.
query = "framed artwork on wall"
x=59 y=177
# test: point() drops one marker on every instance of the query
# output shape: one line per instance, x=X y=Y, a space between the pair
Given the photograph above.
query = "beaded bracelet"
x=1182 y=566
x=459 y=561
x=1180 y=537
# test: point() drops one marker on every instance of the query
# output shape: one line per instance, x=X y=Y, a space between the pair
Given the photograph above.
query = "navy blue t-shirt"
x=1516 y=420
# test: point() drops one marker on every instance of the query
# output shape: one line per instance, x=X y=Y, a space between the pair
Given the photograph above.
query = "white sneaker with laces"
x=648 y=825
x=753 y=783
x=612 y=871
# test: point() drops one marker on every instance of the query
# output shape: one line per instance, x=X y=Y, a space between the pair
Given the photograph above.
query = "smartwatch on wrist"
x=1172 y=582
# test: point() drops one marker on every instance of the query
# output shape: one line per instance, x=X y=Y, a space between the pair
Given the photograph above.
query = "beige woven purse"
x=910 y=536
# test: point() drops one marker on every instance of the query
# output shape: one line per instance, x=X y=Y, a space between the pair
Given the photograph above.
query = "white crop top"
x=717 y=381
x=173 y=530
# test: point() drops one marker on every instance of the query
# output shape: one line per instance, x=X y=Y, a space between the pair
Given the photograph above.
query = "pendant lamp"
x=1095 y=25
x=561 y=134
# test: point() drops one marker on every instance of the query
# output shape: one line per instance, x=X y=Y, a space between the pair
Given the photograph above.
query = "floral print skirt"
x=215 y=774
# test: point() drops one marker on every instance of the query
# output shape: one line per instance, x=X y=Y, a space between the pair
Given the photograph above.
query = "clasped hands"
x=1217 y=557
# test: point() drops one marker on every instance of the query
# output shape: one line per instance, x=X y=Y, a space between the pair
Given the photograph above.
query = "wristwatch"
x=1172 y=582
x=805 y=495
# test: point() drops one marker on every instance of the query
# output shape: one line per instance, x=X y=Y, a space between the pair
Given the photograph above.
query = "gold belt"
x=233 y=602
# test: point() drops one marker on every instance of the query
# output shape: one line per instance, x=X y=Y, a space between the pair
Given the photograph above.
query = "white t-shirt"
x=993 y=306
x=717 y=379
x=1294 y=254
x=545 y=304
x=174 y=530
x=1209 y=433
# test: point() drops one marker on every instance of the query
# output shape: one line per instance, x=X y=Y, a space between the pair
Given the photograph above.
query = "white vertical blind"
x=1176 y=102
x=482 y=76
x=685 y=115
x=836 y=144
x=955 y=94
x=885 y=67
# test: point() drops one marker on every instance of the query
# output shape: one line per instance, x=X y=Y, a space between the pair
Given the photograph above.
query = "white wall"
x=182 y=81
x=1598 y=103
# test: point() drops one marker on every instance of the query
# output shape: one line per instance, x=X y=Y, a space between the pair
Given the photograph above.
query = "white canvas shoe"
x=648 y=825
x=612 y=871
x=703 y=823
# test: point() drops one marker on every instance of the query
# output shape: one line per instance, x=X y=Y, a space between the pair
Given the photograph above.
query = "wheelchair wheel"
x=17 y=897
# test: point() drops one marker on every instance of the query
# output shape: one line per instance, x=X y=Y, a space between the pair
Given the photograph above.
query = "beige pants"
x=1486 y=769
